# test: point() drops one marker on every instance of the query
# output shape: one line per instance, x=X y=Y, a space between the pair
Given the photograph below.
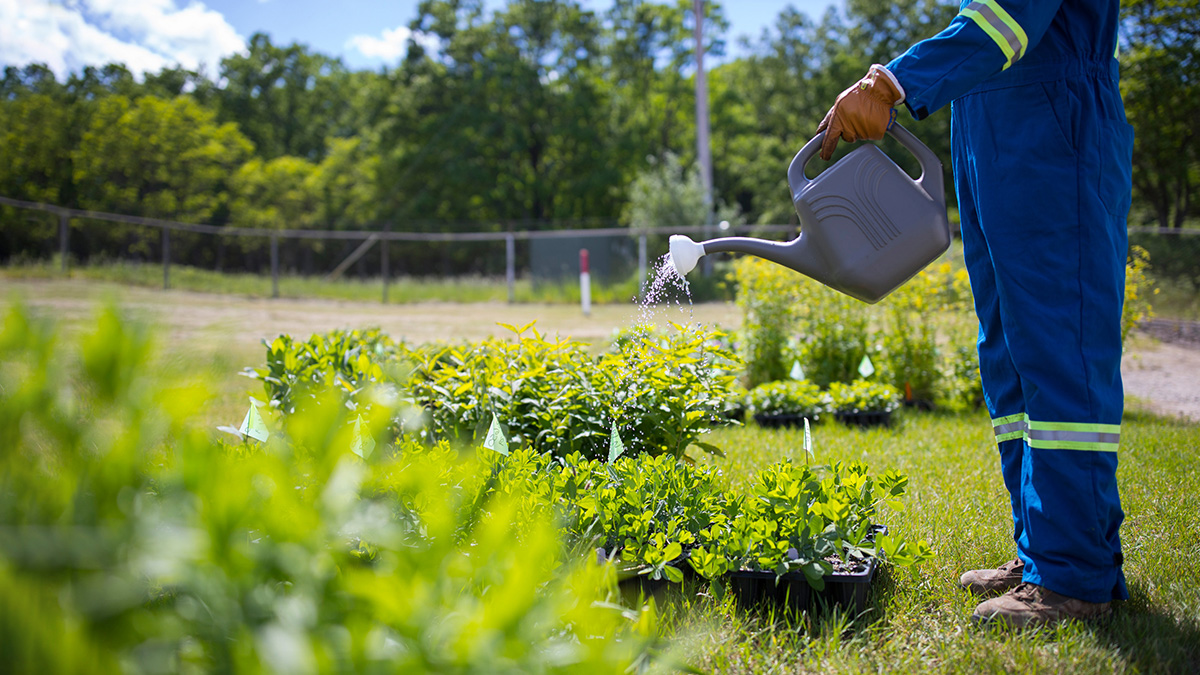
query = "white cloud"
x=145 y=35
x=391 y=45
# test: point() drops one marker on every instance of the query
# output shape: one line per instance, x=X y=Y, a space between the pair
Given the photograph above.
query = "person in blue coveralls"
x=1041 y=160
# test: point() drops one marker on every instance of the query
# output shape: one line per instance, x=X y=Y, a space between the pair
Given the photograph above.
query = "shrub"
x=1139 y=288
x=835 y=336
x=770 y=297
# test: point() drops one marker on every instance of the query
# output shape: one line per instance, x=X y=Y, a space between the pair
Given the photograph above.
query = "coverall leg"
x=1045 y=244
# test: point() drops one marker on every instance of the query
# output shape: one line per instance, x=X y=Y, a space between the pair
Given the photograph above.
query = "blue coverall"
x=1041 y=158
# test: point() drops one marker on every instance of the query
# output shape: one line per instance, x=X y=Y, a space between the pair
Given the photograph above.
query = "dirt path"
x=1165 y=376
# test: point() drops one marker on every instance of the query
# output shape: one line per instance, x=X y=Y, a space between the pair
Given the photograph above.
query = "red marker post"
x=585 y=283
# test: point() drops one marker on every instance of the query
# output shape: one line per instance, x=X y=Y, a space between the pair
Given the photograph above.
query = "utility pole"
x=703 y=147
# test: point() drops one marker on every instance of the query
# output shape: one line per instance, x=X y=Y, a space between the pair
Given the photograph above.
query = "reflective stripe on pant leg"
x=1074 y=436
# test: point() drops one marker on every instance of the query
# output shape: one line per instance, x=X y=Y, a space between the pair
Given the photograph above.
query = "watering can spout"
x=866 y=226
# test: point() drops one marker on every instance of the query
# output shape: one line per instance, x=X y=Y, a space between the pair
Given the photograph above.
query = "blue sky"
x=147 y=35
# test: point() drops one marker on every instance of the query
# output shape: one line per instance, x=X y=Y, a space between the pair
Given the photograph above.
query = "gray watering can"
x=866 y=227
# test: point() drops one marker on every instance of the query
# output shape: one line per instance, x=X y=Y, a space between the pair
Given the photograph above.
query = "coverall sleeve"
x=986 y=37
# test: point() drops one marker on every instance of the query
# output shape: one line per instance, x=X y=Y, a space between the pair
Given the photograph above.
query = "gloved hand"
x=862 y=112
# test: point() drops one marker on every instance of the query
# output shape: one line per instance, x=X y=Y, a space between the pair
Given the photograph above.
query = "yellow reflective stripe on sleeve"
x=1001 y=27
x=1074 y=436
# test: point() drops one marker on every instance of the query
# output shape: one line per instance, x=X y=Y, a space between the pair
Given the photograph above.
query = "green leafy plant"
x=788 y=397
x=801 y=519
x=343 y=360
x=863 y=396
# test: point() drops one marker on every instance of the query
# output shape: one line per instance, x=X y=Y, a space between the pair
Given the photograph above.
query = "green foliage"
x=835 y=337
x=663 y=393
x=156 y=157
x=129 y=536
x=557 y=398
x=788 y=397
x=799 y=518
x=863 y=396
x=769 y=296
x=345 y=361
x=1139 y=289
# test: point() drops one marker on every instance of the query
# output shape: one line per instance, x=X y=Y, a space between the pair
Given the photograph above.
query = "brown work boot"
x=1032 y=605
x=994 y=582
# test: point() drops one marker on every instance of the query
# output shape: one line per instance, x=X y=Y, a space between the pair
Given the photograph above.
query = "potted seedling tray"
x=845 y=589
x=865 y=420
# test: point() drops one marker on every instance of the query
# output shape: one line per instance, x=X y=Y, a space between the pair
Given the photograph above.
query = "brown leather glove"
x=862 y=112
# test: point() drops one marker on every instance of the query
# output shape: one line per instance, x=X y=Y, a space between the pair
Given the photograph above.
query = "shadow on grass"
x=1152 y=640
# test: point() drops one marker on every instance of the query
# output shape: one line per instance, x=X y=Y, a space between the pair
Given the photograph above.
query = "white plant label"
x=615 y=447
x=866 y=368
x=254 y=426
x=808 y=449
x=363 y=444
x=495 y=440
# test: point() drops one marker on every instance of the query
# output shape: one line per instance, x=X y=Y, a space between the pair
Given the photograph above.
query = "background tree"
x=1160 y=59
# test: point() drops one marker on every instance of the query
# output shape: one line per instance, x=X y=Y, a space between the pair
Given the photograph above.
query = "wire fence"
x=522 y=251
x=358 y=243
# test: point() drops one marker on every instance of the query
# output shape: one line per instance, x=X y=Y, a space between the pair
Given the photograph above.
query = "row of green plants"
x=921 y=337
x=805 y=398
x=598 y=439
x=663 y=392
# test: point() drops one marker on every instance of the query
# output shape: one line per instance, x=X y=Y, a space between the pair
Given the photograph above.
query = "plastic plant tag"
x=866 y=368
x=363 y=444
x=615 y=447
x=495 y=440
x=254 y=426
x=797 y=372
x=808 y=450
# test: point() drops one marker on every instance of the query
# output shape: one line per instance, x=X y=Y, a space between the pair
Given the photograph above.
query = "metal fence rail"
x=368 y=237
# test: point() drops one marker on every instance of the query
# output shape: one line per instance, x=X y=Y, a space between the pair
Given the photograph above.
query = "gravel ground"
x=1162 y=370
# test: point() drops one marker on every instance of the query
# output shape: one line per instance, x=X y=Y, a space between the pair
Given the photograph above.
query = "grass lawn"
x=919 y=621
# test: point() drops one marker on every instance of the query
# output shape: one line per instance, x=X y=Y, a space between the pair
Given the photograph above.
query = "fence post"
x=64 y=238
x=383 y=260
x=641 y=262
x=166 y=257
x=510 y=266
x=274 y=266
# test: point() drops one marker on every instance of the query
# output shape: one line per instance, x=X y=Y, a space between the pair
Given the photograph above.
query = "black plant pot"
x=784 y=420
x=865 y=420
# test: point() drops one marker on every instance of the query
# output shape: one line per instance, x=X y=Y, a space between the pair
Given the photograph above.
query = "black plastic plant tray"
x=784 y=420
x=845 y=591
x=865 y=419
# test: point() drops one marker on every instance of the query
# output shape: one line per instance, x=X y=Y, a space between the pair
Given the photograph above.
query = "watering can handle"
x=931 y=180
